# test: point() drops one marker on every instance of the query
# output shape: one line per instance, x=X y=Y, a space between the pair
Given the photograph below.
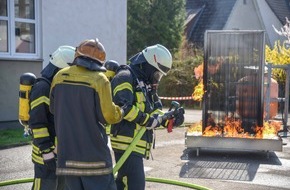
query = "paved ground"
x=217 y=170
x=214 y=169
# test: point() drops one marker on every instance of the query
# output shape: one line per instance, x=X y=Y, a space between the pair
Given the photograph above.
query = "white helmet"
x=62 y=56
x=159 y=57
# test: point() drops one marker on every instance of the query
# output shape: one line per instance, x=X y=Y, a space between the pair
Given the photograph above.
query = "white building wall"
x=10 y=72
x=66 y=22
x=244 y=17
x=69 y=22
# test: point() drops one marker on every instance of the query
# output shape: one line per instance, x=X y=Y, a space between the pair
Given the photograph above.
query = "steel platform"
x=233 y=143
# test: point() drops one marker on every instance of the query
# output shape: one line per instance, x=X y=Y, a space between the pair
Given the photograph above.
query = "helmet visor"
x=163 y=68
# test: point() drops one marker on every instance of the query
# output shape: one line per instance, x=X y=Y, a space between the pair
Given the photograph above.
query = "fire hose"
x=152 y=179
x=168 y=115
x=149 y=179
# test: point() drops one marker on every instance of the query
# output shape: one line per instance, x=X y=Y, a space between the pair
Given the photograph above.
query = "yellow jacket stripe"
x=146 y=119
x=37 y=159
x=133 y=113
x=127 y=140
x=83 y=172
x=36 y=154
x=37 y=184
x=122 y=142
x=40 y=133
x=38 y=101
x=123 y=86
x=77 y=164
x=123 y=147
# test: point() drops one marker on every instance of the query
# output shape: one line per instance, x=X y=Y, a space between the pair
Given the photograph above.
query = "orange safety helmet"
x=92 y=49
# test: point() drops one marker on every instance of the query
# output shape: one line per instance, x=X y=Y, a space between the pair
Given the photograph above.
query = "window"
x=19 y=36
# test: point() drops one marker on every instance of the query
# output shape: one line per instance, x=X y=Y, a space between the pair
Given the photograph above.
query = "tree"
x=154 y=21
x=285 y=31
x=280 y=54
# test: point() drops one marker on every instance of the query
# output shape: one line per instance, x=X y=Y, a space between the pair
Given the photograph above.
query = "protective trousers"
x=48 y=184
x=103 y=182
x=45 y=179
x=131 y=175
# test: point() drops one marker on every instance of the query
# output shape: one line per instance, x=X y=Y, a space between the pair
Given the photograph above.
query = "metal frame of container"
x=242 y=54
x=285 y=99
x=233 y=143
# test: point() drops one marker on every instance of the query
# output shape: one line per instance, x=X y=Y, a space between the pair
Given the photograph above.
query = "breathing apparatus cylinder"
x=26 y=82
x=112 y=67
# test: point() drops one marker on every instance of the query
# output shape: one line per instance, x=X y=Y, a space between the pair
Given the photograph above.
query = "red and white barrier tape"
x=177 y=98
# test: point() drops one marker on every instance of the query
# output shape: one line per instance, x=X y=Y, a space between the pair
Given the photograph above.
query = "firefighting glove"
x=124 y=109
x=49 y=160
x=179 y=117
x=153 y=122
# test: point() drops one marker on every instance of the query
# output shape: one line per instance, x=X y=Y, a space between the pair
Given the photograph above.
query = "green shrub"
x=180 y=82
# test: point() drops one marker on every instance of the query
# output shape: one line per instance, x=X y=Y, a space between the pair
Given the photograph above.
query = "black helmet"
x=111 y=66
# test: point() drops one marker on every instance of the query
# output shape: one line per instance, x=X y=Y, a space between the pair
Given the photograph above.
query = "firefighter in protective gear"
x=41 y=123
x=135 y=88
x=81 y=102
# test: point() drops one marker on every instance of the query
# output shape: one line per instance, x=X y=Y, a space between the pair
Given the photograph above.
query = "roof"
x=205 y=15
x=211 y=15
x=281 y=9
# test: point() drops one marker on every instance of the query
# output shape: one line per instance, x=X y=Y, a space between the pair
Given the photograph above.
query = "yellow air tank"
x=26 y=82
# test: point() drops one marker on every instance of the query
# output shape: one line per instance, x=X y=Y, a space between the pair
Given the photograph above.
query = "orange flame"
x=212 y=131
x=233 y=128
x=268 y=131
x=198 y=92
x=198 y=89
x=198 y=71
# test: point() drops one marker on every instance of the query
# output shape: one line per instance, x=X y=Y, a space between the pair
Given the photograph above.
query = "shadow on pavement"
x=225 y=165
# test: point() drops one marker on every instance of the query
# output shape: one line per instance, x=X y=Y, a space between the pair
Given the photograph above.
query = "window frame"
x=11 y=20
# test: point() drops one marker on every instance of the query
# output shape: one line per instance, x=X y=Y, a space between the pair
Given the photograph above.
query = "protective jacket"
x=81 y=102
x=131 y=90
x=41 y=123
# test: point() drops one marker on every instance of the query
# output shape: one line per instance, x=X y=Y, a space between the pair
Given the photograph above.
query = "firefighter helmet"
x=62 y=56
x=159 y=57
x=92 y=49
